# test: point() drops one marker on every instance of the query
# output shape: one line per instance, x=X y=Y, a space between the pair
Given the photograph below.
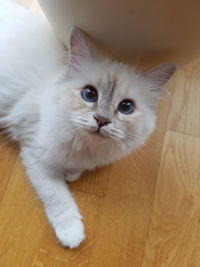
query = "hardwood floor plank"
x=8 y=158
x=50 y=253
x=196 y=255
x=22 y=221
x=93 y=182
x=185 y=109
x=126 y=211
x=174 y=223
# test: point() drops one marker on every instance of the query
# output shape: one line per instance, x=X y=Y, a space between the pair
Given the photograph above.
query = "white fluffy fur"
x=41 y=106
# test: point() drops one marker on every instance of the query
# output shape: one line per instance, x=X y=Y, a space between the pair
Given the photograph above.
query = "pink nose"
x=101 y=121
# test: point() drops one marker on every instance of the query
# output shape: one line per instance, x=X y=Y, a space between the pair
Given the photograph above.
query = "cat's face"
x=109 y=101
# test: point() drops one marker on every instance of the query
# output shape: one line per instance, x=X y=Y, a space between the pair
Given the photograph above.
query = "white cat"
x=69 y=113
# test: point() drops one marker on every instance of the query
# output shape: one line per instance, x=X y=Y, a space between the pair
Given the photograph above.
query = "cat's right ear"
x=78 y=48
x=158 y=76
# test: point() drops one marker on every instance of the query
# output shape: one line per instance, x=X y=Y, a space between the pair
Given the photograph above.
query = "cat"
x=68 y=111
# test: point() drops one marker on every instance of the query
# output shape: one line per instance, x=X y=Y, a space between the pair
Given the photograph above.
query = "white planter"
x=128 y=26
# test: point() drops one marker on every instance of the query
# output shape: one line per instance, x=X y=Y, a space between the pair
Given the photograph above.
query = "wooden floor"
x=141 y=211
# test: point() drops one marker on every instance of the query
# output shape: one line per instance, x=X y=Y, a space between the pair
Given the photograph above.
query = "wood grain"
x=174 y=227
x=50 y=253
x=141 y=211
x=22 y=220
x=8 y=157
x=185 y=101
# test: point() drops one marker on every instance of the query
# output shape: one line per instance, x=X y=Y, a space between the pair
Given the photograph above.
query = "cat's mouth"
x=98 y=132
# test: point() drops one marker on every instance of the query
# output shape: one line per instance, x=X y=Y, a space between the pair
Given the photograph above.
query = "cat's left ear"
x=158 y=76
x=78 y=48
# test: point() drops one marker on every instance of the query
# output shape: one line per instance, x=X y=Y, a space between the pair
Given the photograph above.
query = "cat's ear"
x=78 y=48
x=158 y=76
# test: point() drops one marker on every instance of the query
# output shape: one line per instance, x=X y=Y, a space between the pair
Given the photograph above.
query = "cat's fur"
x=42 y=108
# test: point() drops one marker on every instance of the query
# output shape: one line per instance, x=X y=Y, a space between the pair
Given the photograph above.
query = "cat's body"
x=61 y=130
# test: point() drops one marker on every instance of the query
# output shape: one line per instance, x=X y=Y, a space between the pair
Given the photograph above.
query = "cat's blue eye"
x=126 y=106
x=89 y=93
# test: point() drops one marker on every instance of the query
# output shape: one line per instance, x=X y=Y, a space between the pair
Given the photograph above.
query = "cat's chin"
x=98 y=134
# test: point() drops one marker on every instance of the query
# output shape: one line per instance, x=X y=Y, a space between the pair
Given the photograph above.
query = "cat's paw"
x=72 y=176
x=70 y=233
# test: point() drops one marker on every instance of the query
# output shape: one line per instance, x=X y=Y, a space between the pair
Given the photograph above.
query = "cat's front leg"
x=60 y=207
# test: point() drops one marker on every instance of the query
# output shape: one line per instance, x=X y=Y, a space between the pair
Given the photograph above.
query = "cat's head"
x=110 y=101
